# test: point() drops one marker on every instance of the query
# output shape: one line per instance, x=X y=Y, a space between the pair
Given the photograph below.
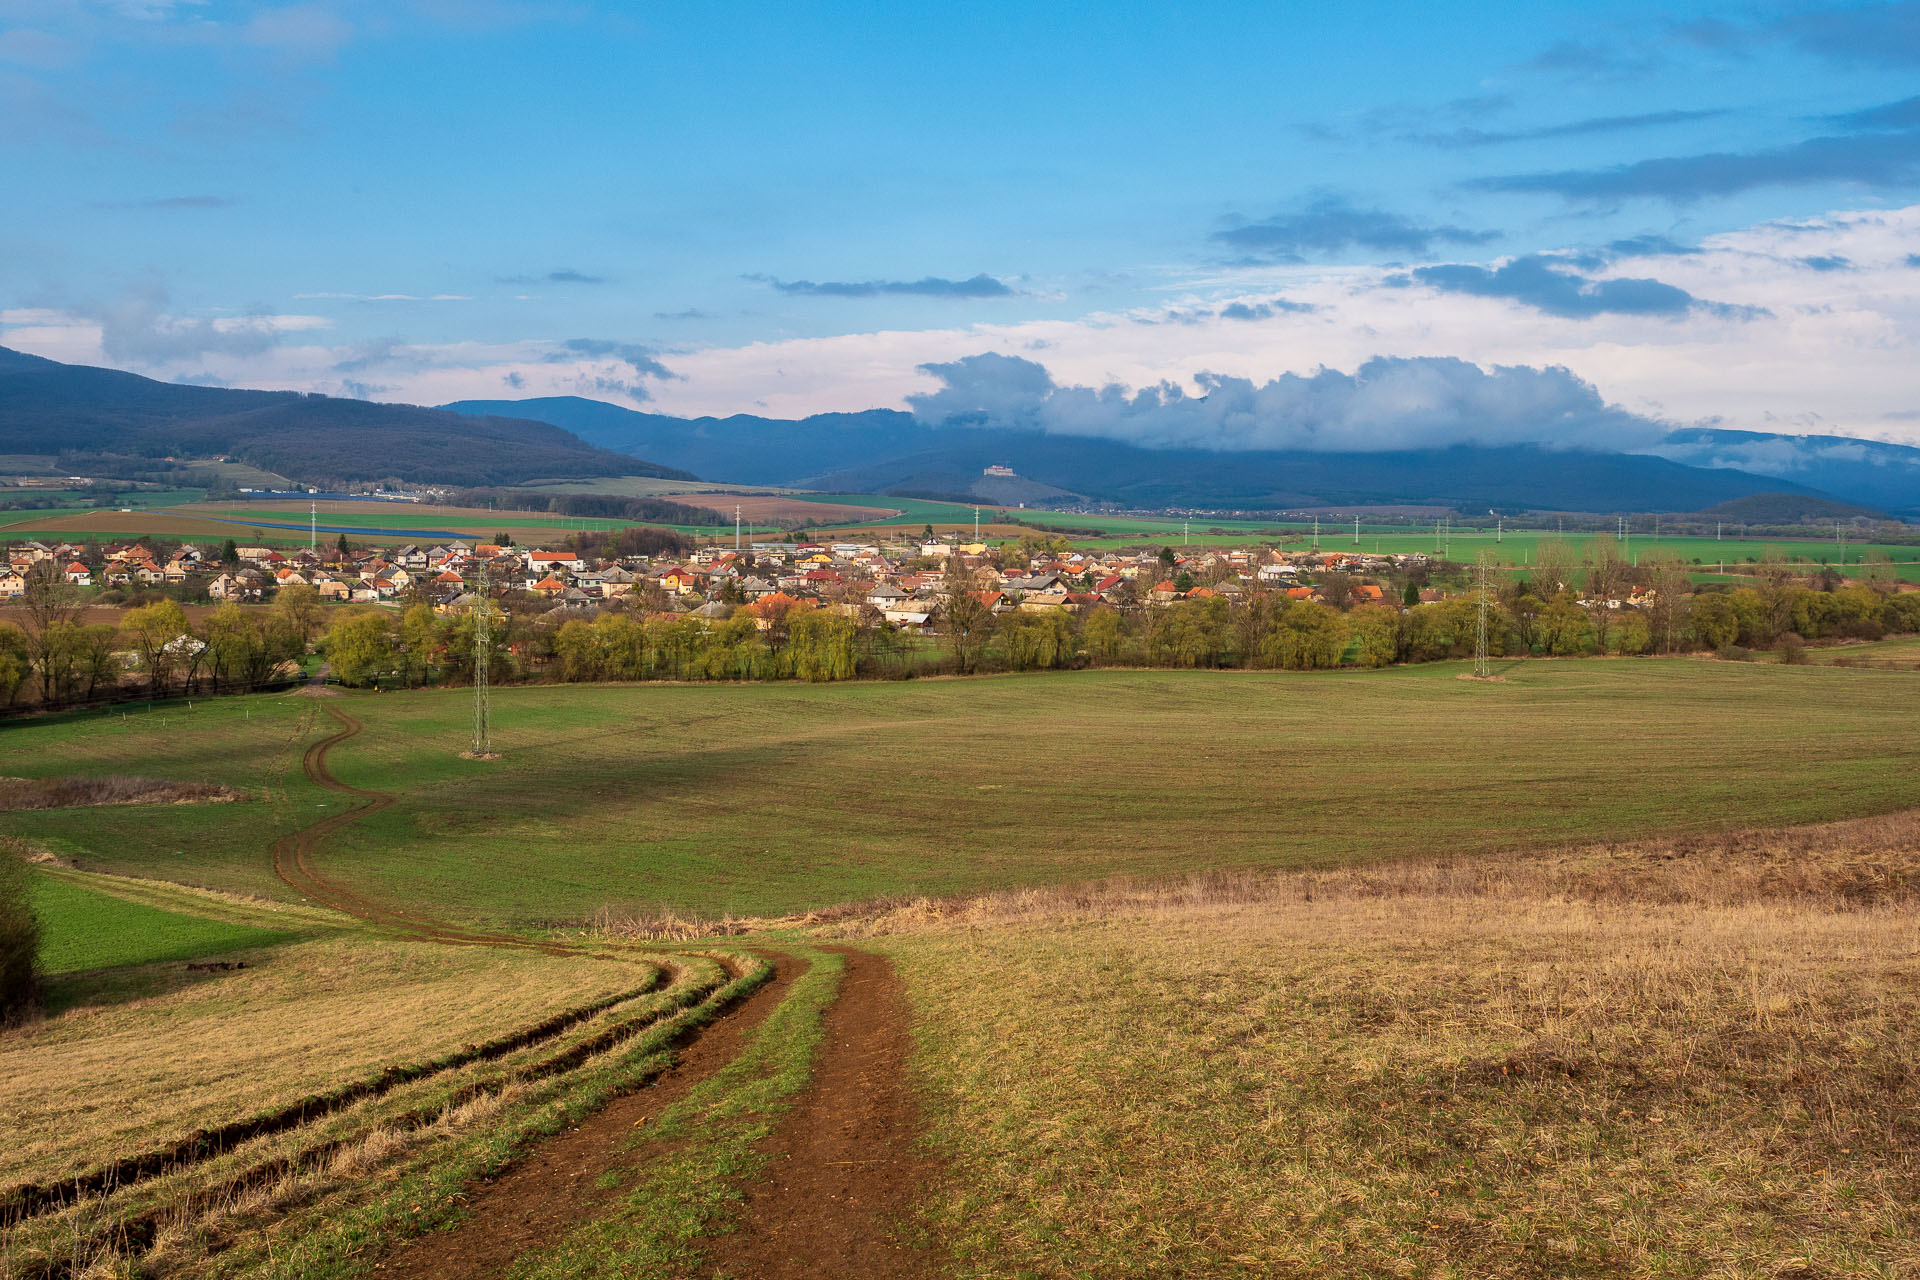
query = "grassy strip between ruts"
x=242 y=1153
x=343 y=1240
x=335 y=1221
x=174 y=1221
x=711 y=1139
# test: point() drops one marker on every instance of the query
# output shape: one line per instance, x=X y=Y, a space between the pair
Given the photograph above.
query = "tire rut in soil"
x=839 y=1193
x=551 y=1189
x=293 y=861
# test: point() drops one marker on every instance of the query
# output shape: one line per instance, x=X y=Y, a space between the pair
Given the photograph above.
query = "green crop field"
x=767 y=799
x=1512 y=548
x=1534 y=997
x=83 y=928
x=405 y=516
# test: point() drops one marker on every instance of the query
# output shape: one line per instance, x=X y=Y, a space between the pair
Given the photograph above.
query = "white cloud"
x=1833 y=352
x=386 y=297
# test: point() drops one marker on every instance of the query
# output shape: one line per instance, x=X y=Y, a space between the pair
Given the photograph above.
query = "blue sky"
x=711 y=207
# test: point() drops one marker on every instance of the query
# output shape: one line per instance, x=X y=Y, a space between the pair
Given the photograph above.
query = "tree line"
x=1547 y=613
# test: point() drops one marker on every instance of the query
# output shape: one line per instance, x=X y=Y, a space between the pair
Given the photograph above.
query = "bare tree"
x=1552 y=568
x=966 y=618
x=1672 y=589
x=53 y=608
x=1606 y=576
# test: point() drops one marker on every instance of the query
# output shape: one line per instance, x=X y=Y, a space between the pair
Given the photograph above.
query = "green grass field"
x=770 y=799
x=1531 y=1008
x=388 y=516
x=83 y=928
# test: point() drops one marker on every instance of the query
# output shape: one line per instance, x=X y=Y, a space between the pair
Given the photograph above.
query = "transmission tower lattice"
x=482 y=651
x=1481 y=666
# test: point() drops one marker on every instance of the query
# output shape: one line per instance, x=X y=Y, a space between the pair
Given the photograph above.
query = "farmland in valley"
x=768 y=799
x=1324 y=974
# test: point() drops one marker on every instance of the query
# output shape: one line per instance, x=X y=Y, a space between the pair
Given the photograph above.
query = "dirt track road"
x=838 y=1197
x=838 y=1194
x=293 y=859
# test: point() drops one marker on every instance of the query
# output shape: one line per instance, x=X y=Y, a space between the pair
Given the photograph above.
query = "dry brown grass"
x=635 y=924
x=1831 y=866
x=108 y=1079
x=1677 y=1058
x=326 y=1191
x=75 y=793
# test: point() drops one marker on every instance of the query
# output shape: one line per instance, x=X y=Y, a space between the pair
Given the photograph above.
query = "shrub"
x=19 y=935
x=1733 y=653
x=1791 y=648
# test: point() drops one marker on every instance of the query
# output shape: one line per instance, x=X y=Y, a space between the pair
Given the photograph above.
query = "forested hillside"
x=76 y=411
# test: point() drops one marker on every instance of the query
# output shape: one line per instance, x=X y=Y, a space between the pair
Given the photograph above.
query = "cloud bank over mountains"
x=1387 y=403
x=1803 y=326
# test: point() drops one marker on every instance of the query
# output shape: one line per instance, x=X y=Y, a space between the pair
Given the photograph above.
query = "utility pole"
x=1356 y=531
x=736 y=528
x=1482 y=668
x=482 y=652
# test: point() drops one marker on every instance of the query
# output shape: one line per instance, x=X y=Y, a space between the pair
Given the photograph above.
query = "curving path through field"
x=293 y=859
x=844 y=1176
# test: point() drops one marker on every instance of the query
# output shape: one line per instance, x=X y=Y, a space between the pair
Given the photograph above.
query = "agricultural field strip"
x=329 y=1183
x=292 y=860
x=28 y=1199
x=163 y=895
x=393 y=1103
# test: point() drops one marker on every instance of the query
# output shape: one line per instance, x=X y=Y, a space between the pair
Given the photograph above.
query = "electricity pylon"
x=1481 y=666
x=482 y=651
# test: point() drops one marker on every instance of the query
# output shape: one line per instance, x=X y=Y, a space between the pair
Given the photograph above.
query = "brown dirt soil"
x=911 y=529
x=80 y=792
x=128 y=523
x=757 y=508
x=836 y=1199
x=535 y=1201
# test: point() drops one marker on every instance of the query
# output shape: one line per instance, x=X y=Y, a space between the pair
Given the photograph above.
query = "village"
x=900 y=583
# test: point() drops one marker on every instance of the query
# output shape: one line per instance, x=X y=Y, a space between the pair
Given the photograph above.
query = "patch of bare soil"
x=845 y=1175
x=534 y=1202
x=77 y=793
x=314 y=691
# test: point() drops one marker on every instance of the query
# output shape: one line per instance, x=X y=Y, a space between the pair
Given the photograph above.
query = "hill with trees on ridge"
x=84 y=413
x=1789 y=509
x=889 y=451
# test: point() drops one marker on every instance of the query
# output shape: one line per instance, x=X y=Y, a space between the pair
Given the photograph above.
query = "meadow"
x=1342 y=974
x=769 y=800
x=1657 y=1059
x=88 y=929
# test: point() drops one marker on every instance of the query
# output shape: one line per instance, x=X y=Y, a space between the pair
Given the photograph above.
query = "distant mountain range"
x=887 y=451
x=107 y=417
x=1862 y=471
x=51 y=408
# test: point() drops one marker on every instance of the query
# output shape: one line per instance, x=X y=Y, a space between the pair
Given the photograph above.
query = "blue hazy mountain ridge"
x=47 y=407
x=882 y=450
x=1870 y=472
